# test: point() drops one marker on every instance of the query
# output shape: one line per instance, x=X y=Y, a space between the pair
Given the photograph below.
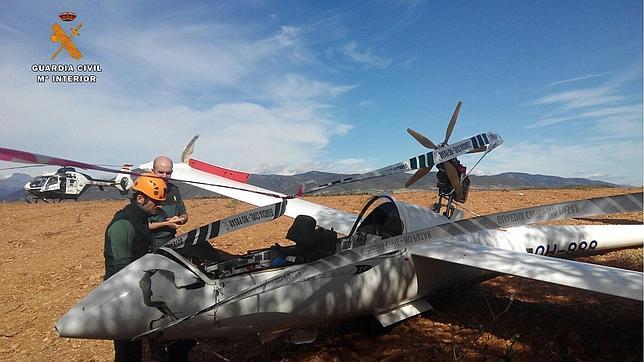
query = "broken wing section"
x=597 y=278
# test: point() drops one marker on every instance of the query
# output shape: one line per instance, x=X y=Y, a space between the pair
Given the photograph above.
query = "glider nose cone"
x=114 y=310
x=71 y=324
x=105 y=314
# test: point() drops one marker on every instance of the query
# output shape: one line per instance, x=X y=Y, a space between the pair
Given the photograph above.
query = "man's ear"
x=140 y=200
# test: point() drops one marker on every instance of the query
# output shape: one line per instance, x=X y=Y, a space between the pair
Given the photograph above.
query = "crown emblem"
x=67 y=16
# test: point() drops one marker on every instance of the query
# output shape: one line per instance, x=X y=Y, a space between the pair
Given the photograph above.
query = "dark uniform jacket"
x=172 y=206
x=127 y=238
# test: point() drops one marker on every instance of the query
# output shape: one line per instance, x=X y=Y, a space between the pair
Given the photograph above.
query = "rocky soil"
x=52 y=256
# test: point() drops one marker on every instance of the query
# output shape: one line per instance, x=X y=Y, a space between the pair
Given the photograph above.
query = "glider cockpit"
x=382 y=217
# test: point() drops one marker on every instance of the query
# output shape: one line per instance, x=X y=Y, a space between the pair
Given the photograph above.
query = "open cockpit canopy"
x=384 y=216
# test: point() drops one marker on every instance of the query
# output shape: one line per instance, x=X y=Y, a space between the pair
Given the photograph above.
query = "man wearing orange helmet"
x=172 y=212
x=128 y=238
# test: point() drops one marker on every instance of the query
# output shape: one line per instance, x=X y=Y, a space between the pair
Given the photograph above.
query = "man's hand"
x=174 y=222
x=171 y=222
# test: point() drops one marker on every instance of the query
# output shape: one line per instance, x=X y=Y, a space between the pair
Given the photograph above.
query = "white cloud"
x=617 y=127
x=241 y=90
x=598 y=135
x=603 y=114
x=288 y=35
x=366 y=104
x=583 y=77
x=8 y=29
x=606 y=110
x=221 y=59
x=365 y=56
x=581 y=98
x=627 y=111
x=238 y=135
x=294 y=86
x=547 y=121
x=610 y=158
x=480 y=171
x=345 y=166
x=408 y=63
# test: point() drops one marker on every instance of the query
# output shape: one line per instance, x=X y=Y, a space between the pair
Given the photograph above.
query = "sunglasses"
x=155 y=202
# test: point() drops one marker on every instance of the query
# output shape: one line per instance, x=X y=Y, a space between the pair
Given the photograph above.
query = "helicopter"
x=68 y=184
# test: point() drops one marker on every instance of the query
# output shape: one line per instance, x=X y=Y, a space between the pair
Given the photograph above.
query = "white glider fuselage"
x=160 y=288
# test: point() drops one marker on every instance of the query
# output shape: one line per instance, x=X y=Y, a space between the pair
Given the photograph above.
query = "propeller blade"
x=452 y=122
x=417 y=176
x=452 y=174
x=477 y=150
x=422 y=139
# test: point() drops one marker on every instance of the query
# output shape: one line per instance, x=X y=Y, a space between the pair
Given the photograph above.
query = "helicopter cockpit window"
x=37 y=182
x=53 y=183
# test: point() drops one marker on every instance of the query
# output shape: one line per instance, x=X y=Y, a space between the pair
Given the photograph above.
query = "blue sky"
x=293 y=86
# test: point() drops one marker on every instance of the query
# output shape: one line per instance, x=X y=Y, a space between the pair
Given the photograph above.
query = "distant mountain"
x=526 y=180
x=11 y=188
x=289 y=184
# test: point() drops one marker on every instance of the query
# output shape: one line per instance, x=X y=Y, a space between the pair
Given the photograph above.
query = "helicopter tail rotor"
x=123 y=181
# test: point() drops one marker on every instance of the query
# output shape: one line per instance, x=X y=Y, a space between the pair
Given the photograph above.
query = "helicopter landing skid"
x=33 y=199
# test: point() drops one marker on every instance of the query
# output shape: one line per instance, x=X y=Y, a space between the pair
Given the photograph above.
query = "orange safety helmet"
x=150 y=185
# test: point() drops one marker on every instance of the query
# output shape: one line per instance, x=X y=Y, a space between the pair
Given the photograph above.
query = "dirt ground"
x=52 y=256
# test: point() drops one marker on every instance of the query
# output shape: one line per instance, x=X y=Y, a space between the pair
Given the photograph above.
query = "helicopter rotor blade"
x=452 y=174
x=417 y=176
x=7 y=154
x=452 y=122
x=21 y=167
x=422 y=139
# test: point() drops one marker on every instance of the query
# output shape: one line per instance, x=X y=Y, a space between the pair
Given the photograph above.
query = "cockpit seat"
x=302 y=230
x=310 y=242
